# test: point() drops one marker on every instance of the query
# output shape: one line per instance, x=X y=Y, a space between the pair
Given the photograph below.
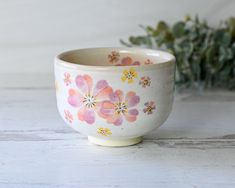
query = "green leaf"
x=162 y=26
x=178 y=29
x=210 y=54
x=138 y=40
x=125 y=43
x=231 y=27
x=149 y=29
x=226 y=39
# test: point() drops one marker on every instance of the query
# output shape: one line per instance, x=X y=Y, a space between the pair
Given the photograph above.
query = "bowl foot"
x=114 y=142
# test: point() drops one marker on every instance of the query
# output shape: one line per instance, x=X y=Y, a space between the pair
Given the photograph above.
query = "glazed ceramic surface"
x=114 y=95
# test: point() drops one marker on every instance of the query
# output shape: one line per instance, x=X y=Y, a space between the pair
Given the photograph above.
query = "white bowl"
x=114 y=95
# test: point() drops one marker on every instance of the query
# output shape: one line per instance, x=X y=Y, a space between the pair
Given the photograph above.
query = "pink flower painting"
x=148 y=62
x=67 y=79
x=145 y=81
x=150 y=107
x=68 y=116
x=88 y=98
x=113 y=57
x=127 y=61
x=120 y=107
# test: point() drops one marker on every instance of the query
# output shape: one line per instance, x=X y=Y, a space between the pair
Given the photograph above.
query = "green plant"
x=205 y=56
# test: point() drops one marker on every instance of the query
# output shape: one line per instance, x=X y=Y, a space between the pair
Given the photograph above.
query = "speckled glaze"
x=114 y=95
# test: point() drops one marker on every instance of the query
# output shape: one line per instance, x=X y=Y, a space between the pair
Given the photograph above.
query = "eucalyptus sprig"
x=205 y=56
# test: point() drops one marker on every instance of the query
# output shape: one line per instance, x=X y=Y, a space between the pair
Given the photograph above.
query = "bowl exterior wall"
x=124 y=103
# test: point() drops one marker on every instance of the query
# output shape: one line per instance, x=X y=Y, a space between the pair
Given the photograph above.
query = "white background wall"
x=32 y=32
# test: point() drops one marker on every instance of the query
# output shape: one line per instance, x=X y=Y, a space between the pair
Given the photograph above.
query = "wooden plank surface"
x=194 y=148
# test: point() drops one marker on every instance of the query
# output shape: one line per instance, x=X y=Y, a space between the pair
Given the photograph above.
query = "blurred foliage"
x=205 y=56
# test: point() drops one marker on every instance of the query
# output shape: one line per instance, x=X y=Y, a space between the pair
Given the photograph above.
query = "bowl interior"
x=115 y=57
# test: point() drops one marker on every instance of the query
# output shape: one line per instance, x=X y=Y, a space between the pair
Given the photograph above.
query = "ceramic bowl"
x=114 y=95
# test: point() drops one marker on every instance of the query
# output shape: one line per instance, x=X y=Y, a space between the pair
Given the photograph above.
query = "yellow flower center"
x=89 y=101
x=121 y=108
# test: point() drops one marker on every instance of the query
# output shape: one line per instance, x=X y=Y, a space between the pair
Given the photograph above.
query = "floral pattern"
x=145 y=81
x=98 y=99
x=113 y=57
x=150 y=107
x=104 y=131
x=127 y=61
x=67 y=79
x=148 y=62
x=129 y=75
x=88 y=98
x=119 y=107
x=68 y=116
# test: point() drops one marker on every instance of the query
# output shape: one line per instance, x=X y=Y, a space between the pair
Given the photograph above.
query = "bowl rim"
x=165 y=63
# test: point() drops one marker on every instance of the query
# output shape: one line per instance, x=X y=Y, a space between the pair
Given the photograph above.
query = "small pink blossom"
x=113 y=57
x=127 y=61
x=68 y=116
x=119 y=107
x=150 y=107
x=145 y=81
x=148 y=62
x=67 y=79
x=88 y=98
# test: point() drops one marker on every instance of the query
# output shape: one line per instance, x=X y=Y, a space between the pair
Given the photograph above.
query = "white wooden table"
x=194 y=148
